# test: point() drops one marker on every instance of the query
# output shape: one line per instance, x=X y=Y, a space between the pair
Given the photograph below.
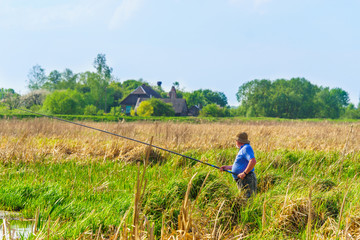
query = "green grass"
x=18 y=114
x=85 y=194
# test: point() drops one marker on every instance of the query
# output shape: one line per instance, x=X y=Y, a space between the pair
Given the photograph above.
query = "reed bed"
x=35 y=139
x=97 y=186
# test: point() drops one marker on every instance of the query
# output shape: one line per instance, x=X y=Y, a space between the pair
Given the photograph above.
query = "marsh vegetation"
x=81 y=184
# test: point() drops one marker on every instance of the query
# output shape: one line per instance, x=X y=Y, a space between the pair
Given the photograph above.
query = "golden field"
x=31 y=139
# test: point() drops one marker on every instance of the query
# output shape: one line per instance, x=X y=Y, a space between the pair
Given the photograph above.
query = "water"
x=15 y=227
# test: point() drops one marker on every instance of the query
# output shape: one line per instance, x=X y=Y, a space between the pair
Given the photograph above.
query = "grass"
x=80 y=184
x=5 y=113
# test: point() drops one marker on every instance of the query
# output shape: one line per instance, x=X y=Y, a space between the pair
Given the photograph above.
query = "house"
x=142 y=91
x=179 y=104
x=194 y=111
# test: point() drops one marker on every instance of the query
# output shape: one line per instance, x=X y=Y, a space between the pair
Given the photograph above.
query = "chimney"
x=159 y=83
x=172 y=93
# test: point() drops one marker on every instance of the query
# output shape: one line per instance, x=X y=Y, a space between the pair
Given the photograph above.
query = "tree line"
x=99 y=92
x=95 y=92
x=294 y=98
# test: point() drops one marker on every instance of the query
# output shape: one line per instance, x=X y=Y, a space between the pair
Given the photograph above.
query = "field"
x=81 y=184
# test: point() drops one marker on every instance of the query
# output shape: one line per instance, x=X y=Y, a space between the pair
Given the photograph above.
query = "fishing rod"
x=131 y=139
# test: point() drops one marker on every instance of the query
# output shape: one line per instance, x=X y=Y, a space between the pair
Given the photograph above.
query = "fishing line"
x=131 y=139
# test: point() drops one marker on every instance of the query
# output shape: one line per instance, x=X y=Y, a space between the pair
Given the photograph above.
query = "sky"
x=207 y=44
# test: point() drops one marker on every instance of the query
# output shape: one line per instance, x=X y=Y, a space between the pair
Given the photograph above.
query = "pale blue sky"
x=216 y=44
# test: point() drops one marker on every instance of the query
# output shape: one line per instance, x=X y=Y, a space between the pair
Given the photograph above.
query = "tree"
x=331 y=103
x=294 y=98
x=214 y=110
x=161 y=108
x=117 y=93
x=96 y=91
x=90 y=110
x=351 y=112
x=257 y=94
x=36 y=77
x=102 y=68
x=5 y=92
x=130 y=85
x=10 y=98
x=176 y=85
x=64 y=102
x=101 y=82
x=145 y=109
x=68 y=79
x=195 y=98
x=216 y=97
x=53 y=81
x=202 y=98
x=36 y=97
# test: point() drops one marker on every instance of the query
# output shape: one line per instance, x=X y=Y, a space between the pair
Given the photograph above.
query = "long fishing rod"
x=131 y=139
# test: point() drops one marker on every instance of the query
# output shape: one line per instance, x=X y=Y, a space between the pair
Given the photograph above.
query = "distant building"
x=194 y=111
x=179 y=104
x=142 y=91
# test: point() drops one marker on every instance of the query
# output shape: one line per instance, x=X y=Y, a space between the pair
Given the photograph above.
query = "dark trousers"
x=248 y=184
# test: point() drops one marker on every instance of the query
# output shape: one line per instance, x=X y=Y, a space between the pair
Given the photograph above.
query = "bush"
x=145 y=109
x=213 y=110
x=36 y=97
x=90 y=110
x=116 y=111
x=64 y=102
x=160 y=108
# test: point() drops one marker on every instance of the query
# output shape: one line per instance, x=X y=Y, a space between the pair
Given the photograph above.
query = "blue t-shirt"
x=245 y=154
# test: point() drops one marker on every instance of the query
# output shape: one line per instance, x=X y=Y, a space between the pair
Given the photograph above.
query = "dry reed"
x=38 y=139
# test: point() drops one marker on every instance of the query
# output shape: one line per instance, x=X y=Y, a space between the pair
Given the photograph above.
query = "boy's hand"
x=222 y=168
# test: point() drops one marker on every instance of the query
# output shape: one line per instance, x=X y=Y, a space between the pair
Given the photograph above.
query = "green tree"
x=256 y=93
x=5 y=92
x=68 y=79
x=96 y=85
x=145 y=109
x=214 y=110
x=176 y=85
x=161 y=108
x=294 y=98
x=130 y=85
x=90 y=110
x=96 y=90
x=52 y=81
x=216 y=97
x=10 y=98
x=116 y=90
x=64 y=102
x=36 y=77
x=351 y=112
x=331 y=103
x=202 y=98
x=195 y=98
x=102 y=68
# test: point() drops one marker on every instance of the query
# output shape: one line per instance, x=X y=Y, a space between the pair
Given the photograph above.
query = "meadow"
x=77 y=183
